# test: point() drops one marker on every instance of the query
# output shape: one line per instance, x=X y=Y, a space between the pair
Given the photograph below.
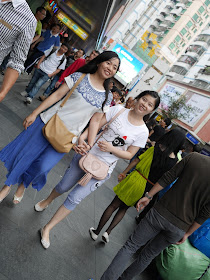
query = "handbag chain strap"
x=107 y=124
x=72 y=89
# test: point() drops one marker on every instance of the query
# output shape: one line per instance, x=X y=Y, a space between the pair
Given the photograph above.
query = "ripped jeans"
x=71 y=177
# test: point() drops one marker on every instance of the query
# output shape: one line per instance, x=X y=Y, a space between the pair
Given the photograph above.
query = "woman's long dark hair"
x=171 y=142
x=153 y=94
x=92 y=66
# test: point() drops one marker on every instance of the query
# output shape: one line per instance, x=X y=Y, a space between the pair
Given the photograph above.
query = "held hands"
x=121 y=177
x=142 y=203
x=105 y=146
x=82 y=148
x=29 y=120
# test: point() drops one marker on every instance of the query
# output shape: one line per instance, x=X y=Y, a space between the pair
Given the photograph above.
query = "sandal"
x=16 y=198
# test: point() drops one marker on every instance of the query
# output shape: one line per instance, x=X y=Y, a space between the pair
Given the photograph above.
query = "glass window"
x=195 y=17
x=189 y=24
x=207 y=16
x=195 y=30
x=183 y=45
x=201 y=9
x=207 y=2
x=178 y=38
x=201 y=23
x=189 y=38
x=183 y=31
x=171 y=46
x=178 y=52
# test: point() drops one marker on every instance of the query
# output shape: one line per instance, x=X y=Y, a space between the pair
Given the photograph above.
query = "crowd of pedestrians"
x=95 y=101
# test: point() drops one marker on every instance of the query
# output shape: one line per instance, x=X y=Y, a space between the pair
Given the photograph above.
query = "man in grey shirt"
x=17 y=29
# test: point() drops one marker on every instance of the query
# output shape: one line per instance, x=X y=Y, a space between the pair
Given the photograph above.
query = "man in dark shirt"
x=159 y=130
x=182 y=210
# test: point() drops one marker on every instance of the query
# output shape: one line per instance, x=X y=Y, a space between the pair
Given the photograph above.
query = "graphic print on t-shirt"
x=111 y=136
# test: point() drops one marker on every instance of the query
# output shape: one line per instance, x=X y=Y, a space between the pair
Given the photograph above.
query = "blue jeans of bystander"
x=38 y=80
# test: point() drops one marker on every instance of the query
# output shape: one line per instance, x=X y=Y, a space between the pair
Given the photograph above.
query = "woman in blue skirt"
x=30 y=156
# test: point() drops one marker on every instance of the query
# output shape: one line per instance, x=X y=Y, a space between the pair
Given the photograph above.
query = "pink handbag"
x=93 y=166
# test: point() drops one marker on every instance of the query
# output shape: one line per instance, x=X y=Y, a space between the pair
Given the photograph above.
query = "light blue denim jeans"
x=52 y=85
x=72 y=175
x=38 y=80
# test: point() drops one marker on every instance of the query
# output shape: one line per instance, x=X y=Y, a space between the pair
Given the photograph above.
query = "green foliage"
x=176 y=107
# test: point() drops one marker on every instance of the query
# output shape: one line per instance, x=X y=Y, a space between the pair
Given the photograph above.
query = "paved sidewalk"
x=72 y=254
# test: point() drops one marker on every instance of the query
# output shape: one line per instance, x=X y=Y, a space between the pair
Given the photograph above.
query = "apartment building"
x=194 y=65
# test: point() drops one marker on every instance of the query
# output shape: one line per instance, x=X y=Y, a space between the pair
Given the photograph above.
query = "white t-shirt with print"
x=122 y=134
x=50 y=64
x=80 y=107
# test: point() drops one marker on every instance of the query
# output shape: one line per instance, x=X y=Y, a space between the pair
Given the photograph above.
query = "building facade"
x=194 y=65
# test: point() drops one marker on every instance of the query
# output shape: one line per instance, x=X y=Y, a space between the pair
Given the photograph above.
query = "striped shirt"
x=17 y=29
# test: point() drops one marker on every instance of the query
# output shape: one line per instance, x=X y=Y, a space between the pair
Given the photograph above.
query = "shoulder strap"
x=62 y=60
x=72 y=89
x=52 y=51
x=106 y=126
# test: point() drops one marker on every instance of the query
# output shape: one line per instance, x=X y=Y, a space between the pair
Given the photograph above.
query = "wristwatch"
x=147 y=195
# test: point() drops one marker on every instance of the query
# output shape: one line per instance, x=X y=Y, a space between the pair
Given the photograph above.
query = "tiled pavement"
x=72 y=254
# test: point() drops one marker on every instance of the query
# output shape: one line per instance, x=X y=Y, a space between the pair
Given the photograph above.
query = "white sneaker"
x=28 y=100
x=92 y=234
x=24 y=93
x=105 y=237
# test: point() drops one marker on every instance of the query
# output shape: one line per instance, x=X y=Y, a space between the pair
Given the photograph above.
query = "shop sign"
x=130 y=66
x=72 y=25
x=192 y=139
x=199 y=103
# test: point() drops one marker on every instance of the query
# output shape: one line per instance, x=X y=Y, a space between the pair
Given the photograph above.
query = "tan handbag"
x=55 y=130
x=93 y=166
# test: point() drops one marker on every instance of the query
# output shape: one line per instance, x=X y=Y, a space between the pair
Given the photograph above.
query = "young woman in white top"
x=125 y=135
x=30 y=157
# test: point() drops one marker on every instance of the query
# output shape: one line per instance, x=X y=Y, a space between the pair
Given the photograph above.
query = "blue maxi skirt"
x=29 y=157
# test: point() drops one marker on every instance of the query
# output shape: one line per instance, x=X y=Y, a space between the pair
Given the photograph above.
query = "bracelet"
x=147 y=196
x=89 y=145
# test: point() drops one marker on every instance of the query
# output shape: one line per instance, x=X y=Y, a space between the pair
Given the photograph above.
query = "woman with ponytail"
x=30 y=157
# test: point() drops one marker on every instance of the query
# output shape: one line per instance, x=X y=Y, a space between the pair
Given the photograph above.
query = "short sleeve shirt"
x=52 y=62
x=39 y=28
x=80 y=107
x=122 y=134
x=49 y=41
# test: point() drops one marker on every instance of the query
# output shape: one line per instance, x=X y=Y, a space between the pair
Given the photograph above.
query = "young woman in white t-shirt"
x=30 y=157
x=123 y=138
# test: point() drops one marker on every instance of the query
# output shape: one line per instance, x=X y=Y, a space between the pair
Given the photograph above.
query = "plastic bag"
x=200 y=239
x=183 y=261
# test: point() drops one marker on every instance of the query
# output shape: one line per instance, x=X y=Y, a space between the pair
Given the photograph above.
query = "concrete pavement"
x=72 y=254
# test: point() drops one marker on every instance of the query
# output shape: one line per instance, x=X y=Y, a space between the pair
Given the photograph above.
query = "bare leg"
x=44 y=203
x=19 y=194
x=4 y=192
x=57 y=218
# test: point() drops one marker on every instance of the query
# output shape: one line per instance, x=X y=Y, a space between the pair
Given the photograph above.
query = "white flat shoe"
x=92 y=234
x=38 y=208
x=105 y=237
x=16 y=198
x=45 y=244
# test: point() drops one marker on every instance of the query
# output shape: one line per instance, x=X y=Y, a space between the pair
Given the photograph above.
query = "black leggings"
x=114 y=205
